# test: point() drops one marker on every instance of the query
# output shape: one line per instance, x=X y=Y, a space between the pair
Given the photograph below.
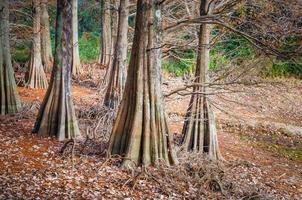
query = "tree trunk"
x=76 y=65
x=106 y=42
x=140 y=133
x=9 y=98
x=46 y=51
x=57 y=115
x=117 y=70
x=36 y=78
x=114 y=19
x=199 y=131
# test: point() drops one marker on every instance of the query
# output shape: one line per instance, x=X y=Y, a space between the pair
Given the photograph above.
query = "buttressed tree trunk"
x=9 y=98
x=46 y=51
x=36 y=78
x=140 y=132
x=117 y=70
x=106 y=40
x=76 y=65
x=57 y=115
x=199 y=131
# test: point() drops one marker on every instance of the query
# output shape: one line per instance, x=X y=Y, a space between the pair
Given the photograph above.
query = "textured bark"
x=117 y=71
x=106 y=40
x=36 y=78
x=199 y=131
x=114 y=23
x=76 y=65
x=57 y=115
x=140 y=132
x=46 y=51
x=9 y=98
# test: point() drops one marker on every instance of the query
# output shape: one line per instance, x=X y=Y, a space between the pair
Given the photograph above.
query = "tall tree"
x=9 y=98
x=46 y=51
x=106 y=37
x=57 y=115
x=117 y=69
x=140 y=132
x=36 y=77
x=76 y=65
x=199 y=131
x=114 y=22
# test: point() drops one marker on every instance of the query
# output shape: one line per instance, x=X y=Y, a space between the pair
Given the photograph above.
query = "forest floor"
x=260 y=135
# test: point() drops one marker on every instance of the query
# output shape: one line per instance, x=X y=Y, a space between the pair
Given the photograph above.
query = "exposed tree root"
x=9 y=98
x=36 y=77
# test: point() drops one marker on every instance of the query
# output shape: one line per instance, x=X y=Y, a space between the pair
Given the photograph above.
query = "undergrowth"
x=231 y=49
x=89 y=46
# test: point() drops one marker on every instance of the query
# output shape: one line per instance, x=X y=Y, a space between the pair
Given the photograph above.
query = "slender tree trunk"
x=140 y=132
x=106 y=40
x=36 y=78
x=46 y=51
x=76 y=65
x=114 y=23
x=117 y=70
x=57 y=115
x=9 y=98
x=199 y=131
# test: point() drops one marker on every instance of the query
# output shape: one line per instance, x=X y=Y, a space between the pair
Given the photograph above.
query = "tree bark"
x=36 y=78
x=106 y=40
x=9 y=98
x=199 y=131
x=76 y=65
x=114 y=19
x=140 y=132
x=117 y=71
x=46 y=50
x=57 y=115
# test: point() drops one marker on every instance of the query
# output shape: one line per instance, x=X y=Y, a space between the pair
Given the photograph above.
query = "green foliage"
x=234 y=47
x=184 y=64
x=89 y=46
x=89 y=16
x=21 y=52
x=286 y=67
x=177 y=68
x=294 y=154
x=217 y=61
x=282 y=68
x=231 y=47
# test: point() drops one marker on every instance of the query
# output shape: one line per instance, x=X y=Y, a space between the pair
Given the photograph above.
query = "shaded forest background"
x=277 y=24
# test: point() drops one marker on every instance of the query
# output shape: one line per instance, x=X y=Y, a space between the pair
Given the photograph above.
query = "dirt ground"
x=261 y=125
x=259 y=136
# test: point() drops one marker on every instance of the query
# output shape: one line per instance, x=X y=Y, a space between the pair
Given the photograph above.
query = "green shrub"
x=89 y=46
x=21 y=52
x=182 y=66
x=281 y=68
x=234 y=46
x=177 y=68
x=287 y=67
x=217 y=61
